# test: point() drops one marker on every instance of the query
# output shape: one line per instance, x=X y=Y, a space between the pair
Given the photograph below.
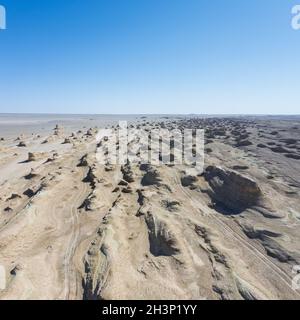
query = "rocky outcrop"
x=83 y=162
x=292 y=156
x=91 y=177
x=32 y=174
x=272 y=247
x=89 y=133
x=188 y=180
x=66 y=141
x=58 y=130
x=31 y=192
x=162 y=241
x=127 y=173
x=97 y=266
x=89 y=204
x=170 y=205
x=34 y=156
x=22 y=144
x=151 y=178
x=232 y=190
x=243 y=143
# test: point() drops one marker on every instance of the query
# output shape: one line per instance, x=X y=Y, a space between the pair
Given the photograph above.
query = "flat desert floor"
x=74 y=228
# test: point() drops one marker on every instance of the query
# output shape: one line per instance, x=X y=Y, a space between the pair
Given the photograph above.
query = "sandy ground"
x=73 y=228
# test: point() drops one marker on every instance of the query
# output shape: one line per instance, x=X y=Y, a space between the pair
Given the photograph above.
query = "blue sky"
x=150 y=56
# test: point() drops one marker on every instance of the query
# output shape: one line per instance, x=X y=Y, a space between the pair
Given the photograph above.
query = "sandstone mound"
x=280 y=149
x=21 y=137
x=31 y=192
x=91 y=177
x=49 y=140
x=83 y=162
x=32 y=174
x=127 y=189
x=162 y=240
x=292 y=156
x=58 y=130
x=31 y=156
x=232 y=190
x=89 y=132
x=52 y=158
x=170 y=205
x=272 y=247
x=261 y=145
x=89 y=204
x=13 y=196
x=127 y=173
x=34 y=156
x=151 y=178
x=243 y=143
x=188 y=180
x=21 y=144
x=66 y=141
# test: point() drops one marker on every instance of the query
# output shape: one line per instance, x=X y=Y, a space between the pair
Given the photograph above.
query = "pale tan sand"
x=75 y=232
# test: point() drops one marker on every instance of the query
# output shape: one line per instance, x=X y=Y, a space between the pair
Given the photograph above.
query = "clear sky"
x=150 y=56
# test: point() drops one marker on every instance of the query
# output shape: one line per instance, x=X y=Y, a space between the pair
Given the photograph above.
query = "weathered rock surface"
x=231 y=189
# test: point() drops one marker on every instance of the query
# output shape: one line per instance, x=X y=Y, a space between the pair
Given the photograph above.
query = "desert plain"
x=73 y=228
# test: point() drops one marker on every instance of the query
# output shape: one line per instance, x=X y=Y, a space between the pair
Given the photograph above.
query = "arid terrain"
x=74 y=228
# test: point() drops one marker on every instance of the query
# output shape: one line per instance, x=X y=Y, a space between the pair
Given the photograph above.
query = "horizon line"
x=158 y=114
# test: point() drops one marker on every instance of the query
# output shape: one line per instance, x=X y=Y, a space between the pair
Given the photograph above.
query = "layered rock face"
x=231 y=189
